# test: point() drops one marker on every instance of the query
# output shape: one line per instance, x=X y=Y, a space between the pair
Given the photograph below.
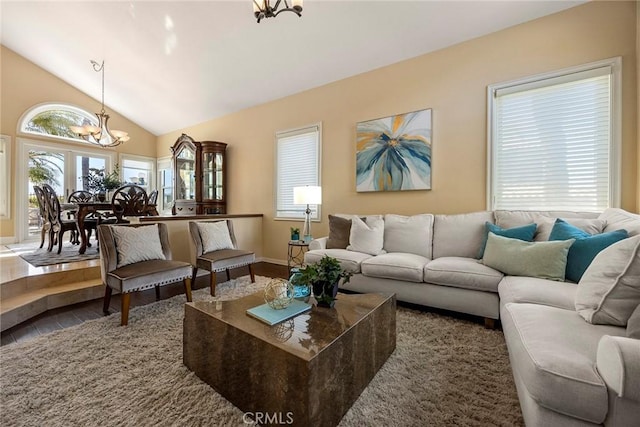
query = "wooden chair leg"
x=157 y=292
x=42 y=233
x=253 y=277
x=60 y=242
x=124 y=308
x=107 y=300
x=228 y=277
x=489 y=323
x=51 y=241
x=212 y=283
x=187 y=288
x=194 y=274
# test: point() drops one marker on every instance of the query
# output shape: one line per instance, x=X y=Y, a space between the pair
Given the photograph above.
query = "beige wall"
x=24 y=85
x=453 y=83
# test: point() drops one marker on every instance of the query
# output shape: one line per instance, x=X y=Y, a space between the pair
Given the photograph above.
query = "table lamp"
x=307 y=195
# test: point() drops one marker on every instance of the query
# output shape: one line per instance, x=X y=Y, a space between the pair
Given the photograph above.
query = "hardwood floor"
x=72 y=315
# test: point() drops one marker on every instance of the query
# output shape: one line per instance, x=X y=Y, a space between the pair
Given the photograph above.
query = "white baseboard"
x=7 y=240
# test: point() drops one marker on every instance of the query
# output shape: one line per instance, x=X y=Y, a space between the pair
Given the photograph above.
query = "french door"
x=60 y=166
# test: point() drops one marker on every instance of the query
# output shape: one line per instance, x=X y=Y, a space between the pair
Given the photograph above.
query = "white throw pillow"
x=408 y=234
x=545 y=225
x=135 y=244
x=215 y=236
x=609 y=290
x=367 y=237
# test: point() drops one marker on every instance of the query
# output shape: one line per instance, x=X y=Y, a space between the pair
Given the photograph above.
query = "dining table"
x=83 y=209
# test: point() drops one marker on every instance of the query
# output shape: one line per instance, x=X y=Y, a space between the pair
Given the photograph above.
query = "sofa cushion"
x=349 y=260
x=545 y=225
x=339 y=231
x=609 y=290
x=409 y=234
x=395 y=265
x=554 y=351
x=461 y=272
x=366 y=237
x=459 y=235
x=546 y=260
x=633 y=324
x=585 y=248
x=537 y=291
x=524 y=232
x=513 y=218
x=617 y=219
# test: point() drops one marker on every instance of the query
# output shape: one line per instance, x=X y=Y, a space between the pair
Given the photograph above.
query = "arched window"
x=54 y=120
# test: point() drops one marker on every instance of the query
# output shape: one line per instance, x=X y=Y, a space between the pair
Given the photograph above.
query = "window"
x=5 y=177
x=54 y=120
x=138 y=170
x=297 y=164
x=165 y=185
x=554 y=140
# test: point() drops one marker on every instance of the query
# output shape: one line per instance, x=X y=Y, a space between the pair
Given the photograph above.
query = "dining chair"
x=129 y=200
x=91 y=221
x=58 y=225
x=214 y=248
x=45 y=225
x=135 y=257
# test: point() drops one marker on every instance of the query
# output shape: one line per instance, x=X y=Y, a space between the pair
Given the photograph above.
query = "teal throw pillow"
x=525 y=233
x=546 y=260
x=585 y=248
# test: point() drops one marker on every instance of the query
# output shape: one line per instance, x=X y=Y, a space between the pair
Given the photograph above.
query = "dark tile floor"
x=65 y=317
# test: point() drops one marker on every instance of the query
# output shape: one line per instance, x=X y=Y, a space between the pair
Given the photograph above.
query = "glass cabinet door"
x=186 y=178
x=208 y=176
x=219 y=175
x=212 y=176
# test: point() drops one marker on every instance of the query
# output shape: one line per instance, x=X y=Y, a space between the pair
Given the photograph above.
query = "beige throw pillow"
x=609 y=290
x=136 y=244
x=215 y=236
x=367 y=237
x=546 y=260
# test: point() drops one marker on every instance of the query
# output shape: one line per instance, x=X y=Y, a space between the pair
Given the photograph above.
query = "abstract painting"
x=394 y=153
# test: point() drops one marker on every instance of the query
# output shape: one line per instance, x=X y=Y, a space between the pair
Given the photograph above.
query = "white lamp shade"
x=307 y=195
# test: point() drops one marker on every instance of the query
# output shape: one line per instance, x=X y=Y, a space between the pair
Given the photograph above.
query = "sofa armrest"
x=319 y=243
x=618 y=362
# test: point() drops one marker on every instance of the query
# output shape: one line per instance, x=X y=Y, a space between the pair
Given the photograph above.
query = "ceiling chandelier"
x=101 y=135
x=263 y=8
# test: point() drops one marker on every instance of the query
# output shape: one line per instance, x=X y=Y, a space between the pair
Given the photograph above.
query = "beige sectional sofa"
x=567 y=371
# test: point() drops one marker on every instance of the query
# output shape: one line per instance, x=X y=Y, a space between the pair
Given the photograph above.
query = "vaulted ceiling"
x=172 y=64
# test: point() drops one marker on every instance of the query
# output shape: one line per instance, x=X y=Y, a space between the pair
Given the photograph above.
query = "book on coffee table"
x=271 y=316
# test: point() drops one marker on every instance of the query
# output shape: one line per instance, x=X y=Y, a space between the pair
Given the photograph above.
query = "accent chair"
x=214 y=248
x=135 y=257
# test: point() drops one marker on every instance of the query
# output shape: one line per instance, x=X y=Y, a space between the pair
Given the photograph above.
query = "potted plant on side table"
x=324 y=278
x=295 y=234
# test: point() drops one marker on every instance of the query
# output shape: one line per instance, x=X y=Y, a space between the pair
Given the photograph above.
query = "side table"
x=295 y=256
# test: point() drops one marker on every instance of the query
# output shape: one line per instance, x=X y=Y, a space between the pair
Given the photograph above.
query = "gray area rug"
x=444 y=371
x=37 y=257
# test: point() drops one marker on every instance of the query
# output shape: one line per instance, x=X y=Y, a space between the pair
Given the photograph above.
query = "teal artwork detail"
x=394 y=153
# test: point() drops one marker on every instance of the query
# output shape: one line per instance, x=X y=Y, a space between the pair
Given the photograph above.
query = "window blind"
x=297 y=164
x=551 y=143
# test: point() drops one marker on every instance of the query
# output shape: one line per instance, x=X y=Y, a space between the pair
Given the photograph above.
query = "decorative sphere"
x=278 y=293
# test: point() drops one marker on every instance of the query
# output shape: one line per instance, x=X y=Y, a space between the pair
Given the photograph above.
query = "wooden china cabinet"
x=200 y=177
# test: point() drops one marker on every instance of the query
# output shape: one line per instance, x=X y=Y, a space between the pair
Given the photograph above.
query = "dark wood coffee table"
x=306 y=371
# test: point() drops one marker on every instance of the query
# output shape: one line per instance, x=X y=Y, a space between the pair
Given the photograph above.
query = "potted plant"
x=295 y=234
x=324 y=277
x=99 y=183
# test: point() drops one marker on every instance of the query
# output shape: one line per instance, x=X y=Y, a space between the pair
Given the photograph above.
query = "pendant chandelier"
x=263 y=8
x=101 y=135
